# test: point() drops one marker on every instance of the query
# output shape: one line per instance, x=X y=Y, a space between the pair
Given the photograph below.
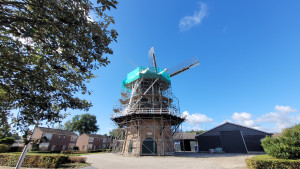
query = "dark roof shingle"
x=94 y=135
x=57 y=131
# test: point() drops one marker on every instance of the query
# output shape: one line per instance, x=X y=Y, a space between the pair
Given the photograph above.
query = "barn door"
x=233 y=142
x=149 y=147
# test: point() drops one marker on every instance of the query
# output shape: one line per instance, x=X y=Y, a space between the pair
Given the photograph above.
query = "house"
x=50 y=139
x=184 y=141
x=232 y=138
x=87 y=142
x=18 y=146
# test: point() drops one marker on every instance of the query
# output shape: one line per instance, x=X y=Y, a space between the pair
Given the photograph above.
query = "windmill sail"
x=152 y=57
x=184 y=66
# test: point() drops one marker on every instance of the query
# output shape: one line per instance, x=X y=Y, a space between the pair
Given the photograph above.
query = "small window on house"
x=58 y=136
x=104 y=140
x=73 y=138
x=90 y=146
x=64 y=136
x=83 y=147
x=91 y=139
x=48 y=136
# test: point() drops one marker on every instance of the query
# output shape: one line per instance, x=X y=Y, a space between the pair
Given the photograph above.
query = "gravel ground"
x=182 y=161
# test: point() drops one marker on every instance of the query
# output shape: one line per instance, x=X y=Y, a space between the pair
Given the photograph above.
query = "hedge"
x=37 y=161
x=268 y=162
x=4 y=148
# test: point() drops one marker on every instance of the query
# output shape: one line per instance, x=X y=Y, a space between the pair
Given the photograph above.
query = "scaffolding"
x=148 y=114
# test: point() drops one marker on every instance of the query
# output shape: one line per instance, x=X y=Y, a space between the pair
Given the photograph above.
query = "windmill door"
x=149 y=147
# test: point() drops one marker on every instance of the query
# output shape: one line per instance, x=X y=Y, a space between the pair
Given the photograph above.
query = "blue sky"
x=249 y=53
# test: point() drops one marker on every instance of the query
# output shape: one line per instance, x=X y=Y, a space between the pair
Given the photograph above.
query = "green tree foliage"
x=4 y=148
x=117 y=133
x=7 y=140
x=68 y=125
x=196 y=131
x=286 y=146
x=4 y=127
x=85 y=123
x=48 y=50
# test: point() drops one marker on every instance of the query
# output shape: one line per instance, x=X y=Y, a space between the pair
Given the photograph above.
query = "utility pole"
x=27 y=146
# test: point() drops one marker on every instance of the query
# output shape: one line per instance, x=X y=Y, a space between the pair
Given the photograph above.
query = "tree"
x=48 y=50
x=286 y=146
x=196 y=131
x=85 y=123
x=7 y=140
x=59 y=126
x=117 y=133
x=68 y=125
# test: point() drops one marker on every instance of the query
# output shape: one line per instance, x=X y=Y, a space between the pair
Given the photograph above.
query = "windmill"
x=149 y=113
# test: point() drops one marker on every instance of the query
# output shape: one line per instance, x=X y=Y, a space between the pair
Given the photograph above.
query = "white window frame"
x=48 y=136
x=91 y=139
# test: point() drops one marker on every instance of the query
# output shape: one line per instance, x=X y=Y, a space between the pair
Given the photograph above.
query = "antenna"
x=152 y=56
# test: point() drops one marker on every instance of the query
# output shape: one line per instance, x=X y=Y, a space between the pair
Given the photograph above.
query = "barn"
x=232 y=138
x=184 y=141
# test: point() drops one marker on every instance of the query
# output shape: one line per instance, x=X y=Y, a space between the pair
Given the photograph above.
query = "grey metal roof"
x=57 y=131
x=232 y=124
x=184 y=136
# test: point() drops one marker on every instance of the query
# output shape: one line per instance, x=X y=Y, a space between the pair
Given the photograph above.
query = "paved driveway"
x=181 y=161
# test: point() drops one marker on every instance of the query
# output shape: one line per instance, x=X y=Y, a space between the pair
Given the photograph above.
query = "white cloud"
x=187 y=22
x=284 y=109
x=243 y=118
x=282 y=117
x=196 y=118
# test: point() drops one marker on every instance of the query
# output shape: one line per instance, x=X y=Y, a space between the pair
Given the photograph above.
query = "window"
x=91 y=139
x=48 y=136
x=83 y=147
x=64 y=136
x=103 y=146
x=58 y=136
x=44 y=145
x=73 y=138
x=104 y=140
x=90 y=146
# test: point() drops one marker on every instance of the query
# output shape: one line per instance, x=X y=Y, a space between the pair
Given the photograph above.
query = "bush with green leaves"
x=268 y=162
x=4 y=148
x=7 y=140
x=36 y=161
x=286 y=146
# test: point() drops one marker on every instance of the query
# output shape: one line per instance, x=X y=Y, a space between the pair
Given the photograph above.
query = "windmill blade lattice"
x=191 y=63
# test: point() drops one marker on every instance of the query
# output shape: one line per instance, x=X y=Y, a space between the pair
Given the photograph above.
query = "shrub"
x=75 y=159
x=287 y=146
x=35 y=147
x=75 y=148
x=268 y=162
x=7 y=140
x=39 y=161
x=4 y=148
